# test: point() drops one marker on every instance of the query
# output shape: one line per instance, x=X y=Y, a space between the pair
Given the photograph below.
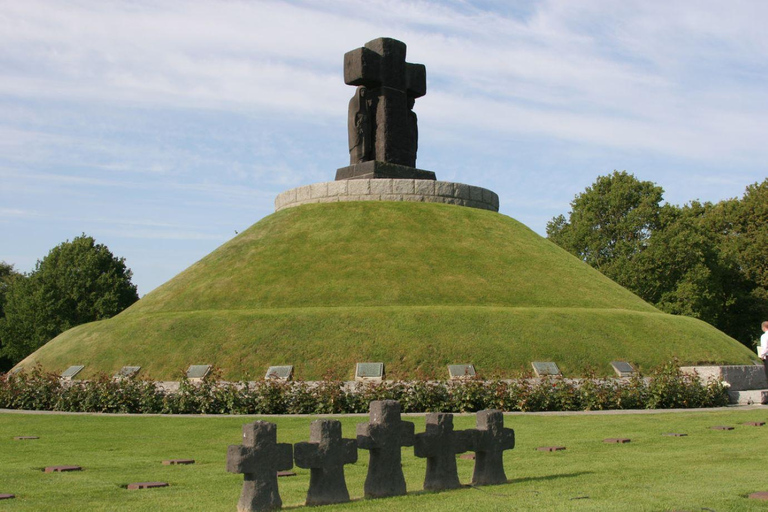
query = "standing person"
x=762 y=349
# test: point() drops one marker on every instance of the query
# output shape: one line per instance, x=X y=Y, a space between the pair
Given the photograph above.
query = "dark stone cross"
x=383 y=129
x=383 y=436
x=488 y=441
x=440 y=444
x=325 y=454
x=259 y=458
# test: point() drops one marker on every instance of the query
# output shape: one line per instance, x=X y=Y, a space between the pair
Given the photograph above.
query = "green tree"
x=77 y=282
x=610 y=222
x=7 y=276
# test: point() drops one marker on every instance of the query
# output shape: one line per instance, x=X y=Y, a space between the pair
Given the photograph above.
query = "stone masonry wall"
x=420 y=191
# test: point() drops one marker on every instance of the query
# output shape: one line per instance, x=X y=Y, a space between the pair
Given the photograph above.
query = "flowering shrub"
x=667 y=387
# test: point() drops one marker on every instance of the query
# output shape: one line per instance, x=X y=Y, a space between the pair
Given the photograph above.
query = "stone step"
x=753 y=396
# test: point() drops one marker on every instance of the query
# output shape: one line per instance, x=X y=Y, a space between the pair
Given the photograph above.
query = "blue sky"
x=161 y=128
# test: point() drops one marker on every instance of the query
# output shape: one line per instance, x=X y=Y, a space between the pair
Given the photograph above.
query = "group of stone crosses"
x=260 y=456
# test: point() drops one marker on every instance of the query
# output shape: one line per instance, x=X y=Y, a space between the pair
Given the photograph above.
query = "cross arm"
x=362 y=67
x=349 y=451
x=283 y=456
x=415 y=80
x=407 y=433
x=239 y=459
x=306 y=455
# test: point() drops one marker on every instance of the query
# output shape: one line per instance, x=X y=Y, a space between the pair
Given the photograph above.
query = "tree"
x=610 y=222
x=7 y=276
x=77 y=282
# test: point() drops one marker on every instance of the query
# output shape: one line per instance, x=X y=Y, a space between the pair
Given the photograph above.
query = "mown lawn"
x=708 y=469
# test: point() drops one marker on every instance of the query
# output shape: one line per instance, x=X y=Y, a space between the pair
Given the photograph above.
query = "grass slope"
x=708 y=470
x=417 y=286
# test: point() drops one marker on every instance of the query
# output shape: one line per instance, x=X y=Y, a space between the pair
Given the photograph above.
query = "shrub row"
x=667 y=387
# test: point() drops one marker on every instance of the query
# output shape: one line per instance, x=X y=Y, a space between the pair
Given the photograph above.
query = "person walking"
x=762 y=349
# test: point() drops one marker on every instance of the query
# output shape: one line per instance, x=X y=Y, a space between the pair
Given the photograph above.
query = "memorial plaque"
x=722 y=427
x=623 y=368
x=147 y=485
x=7 y=496
x=675 y=434
x=762 y=495
x=545 y=369
x=279 y=373
x=177 y=462
x=127 y=372
x=283 y=474
x=550 y=448
x=25 y=438
x=62 y=469
x=197 y=372
x=369 y=371
x=461 y=371
x=467 y=456
x=70 y=372
x=617 y=440
x=754 y=423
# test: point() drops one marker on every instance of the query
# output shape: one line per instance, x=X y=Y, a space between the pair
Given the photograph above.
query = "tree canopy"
x=77 y=282
x=708 y=261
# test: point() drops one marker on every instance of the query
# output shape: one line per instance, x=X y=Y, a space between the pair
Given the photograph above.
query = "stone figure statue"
x=360 y=127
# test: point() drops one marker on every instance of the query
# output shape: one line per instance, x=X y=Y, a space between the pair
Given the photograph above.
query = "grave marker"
x=147 y=485
x=762 y=495
x=623 y=368
x=7 y=496
x=285 y=474
x=197 y=372
x=259 y=459
x=25 y=438
x=617 y=440
x=722 y=427
x=127 y=372
x=178 y=462
x=461 y=371
x=325 y=455
x=373 y=372
x=62 y=469
x=754 y=423
x=439 y=444
x=279 y=373
x=70 y=372
x=550 y=448
x=675 y=434
x=489 y=441
x=383 y=436
x=545 y=369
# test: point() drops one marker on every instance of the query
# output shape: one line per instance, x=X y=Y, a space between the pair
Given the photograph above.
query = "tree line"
x=705 y=260
x=77 y=282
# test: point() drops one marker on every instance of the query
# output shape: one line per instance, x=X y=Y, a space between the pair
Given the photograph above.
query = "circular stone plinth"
x=385 y=189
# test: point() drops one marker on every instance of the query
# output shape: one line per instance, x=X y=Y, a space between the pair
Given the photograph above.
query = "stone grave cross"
x=488 y=441
x=325 y=454
x=440 y=444
x=382 y=124
x=259 y=458
x=383 y=436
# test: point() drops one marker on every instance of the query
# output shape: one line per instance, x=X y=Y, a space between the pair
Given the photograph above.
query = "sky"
x=163 y=128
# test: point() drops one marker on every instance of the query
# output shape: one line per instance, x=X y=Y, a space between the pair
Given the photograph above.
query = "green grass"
x=416 y=286
x=706 y=470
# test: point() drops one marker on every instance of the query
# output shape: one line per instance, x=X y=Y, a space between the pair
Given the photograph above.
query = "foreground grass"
x=415 y=286
x=712 y=470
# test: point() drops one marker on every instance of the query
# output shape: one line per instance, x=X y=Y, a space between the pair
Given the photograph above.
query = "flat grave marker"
x=283 y=474
x=127 y=372
x=25 y=438
x=147 y=485
x=198 y=372
x=461 y=371
x=545 y=369
x=675 y=434
x=373 y=372
x=467 y=456
x=754 y=423
x=762 y=495
x=178 y=462
x=721 y=427
x=617 y=440
x=70 y=372
x=623 y=368
x=284 y=373
x=550 y=448
x=62 y=469
x=7 y=496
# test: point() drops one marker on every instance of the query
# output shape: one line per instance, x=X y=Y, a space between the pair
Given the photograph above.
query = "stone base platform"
x=419 y=191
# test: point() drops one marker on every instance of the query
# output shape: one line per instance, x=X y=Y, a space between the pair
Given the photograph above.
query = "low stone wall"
x=739 y=377
x=420 y=191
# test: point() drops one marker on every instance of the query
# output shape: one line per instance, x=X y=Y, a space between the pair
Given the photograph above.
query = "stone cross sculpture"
x=259 y=458
x=325 y=454
x=383 y=436
x=440 y=444
x=488 y=441
x=383 y=129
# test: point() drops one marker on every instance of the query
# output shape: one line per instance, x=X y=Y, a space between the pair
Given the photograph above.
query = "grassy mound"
x=416 y=286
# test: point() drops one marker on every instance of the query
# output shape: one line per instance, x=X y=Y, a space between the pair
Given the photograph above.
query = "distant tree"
x=77 y=282
x=610 y=222
x=7 y=276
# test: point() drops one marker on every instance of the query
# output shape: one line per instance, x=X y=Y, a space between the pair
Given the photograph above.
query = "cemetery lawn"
x=708 y=469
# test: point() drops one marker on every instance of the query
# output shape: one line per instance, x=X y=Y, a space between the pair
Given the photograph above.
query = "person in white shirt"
x=762 y=349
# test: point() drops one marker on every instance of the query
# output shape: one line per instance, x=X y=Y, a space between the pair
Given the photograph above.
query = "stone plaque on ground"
x=198 y=372
x=762 y=495
x=7 y=496
x=25 y=438
x=550 y=448
x=675 y=434
x=439 y=444
x=383 y=436
x=369 y=372
x=147 y=485
x=623 y=368
x=489 y=441
x=545 y=369
x=70 y=372
x=127 y=372
x=754 y=423
x=259 y=459
x=617 y=440
x=722 y=427
x=325 y=455
x=461 y=371
x=178 y=462
x=279 y=373
x=62 y=469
